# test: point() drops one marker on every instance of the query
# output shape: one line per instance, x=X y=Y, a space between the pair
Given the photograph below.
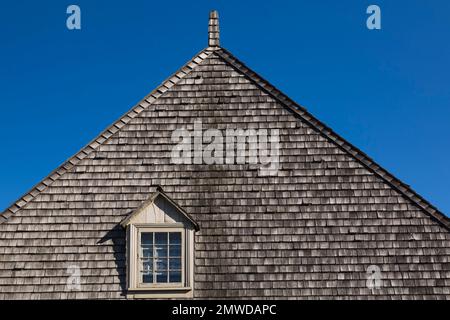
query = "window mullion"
x=153 y=258
x=168 y=254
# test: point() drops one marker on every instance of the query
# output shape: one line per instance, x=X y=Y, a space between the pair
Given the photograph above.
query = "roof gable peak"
x=166 y=204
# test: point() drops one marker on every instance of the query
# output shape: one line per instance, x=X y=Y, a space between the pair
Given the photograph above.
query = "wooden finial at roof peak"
x=213 y=29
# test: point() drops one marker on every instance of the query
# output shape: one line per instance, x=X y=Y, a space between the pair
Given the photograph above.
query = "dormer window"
x=160 y=244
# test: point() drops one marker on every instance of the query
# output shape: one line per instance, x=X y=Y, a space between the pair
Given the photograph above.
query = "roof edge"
x=106 y=133
x=336 y=139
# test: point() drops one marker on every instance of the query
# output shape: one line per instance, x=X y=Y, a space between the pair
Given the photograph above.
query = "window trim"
x=183 y=290
x=138 y=267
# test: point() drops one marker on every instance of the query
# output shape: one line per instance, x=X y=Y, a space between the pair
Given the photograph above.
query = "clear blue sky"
x=387 y=91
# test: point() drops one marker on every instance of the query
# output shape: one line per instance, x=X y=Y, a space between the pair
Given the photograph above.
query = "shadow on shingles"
x=118 y=237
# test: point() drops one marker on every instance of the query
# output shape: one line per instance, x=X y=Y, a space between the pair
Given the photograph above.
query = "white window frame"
x=138 y=289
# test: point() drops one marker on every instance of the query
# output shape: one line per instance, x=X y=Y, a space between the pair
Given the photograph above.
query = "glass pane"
x=146 y=239
x=161 y=238
x=175 y=276
x=175 y=238
x=161 y=277
x=175 y=251
x=161 y=251
x=147 y=278
x=161 y=264
x=175 y=263
x=147 y=252
x=147 y=266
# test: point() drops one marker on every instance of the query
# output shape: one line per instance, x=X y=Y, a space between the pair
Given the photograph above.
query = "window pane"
x=175 y=238
x=147 y=252
x=175 y=251
x=175 y=263
x=147 y=266
x=160 y=251
x=161 y=264
x=147 y=239
x=147 y=278
x=161 y=238
x=161 y=277
x=175 y=276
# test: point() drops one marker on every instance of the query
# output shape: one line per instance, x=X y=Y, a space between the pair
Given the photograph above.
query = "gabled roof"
x=264 y=85
x=159 y=193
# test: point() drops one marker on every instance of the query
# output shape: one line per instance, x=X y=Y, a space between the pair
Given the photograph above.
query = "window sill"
x=160 y=293
x=140 y=289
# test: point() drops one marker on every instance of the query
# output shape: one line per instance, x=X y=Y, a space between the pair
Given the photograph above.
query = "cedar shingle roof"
x=309 y=232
